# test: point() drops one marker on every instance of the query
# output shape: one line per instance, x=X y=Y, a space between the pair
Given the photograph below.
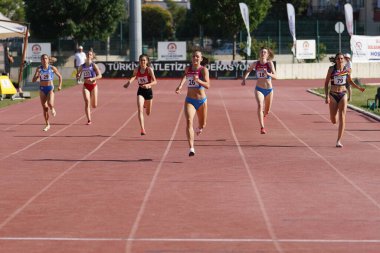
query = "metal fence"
x=276 y=31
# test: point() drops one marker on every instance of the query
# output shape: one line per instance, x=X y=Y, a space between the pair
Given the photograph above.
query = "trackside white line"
x=136 y=224
x=221 y=240
x=253 y=182
x=22 y=122
x=20 y=209
x=54 y=134
x=365 y=194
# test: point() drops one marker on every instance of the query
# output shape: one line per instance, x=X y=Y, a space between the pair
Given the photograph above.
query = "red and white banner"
x=292 y=24
x=365 y=48
x=348 y=12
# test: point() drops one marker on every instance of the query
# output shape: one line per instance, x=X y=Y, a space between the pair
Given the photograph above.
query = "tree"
x=13 y=9
x=225 y=18
x=179 y=15
x=278 y=9
x=85 y=19
x=157 y=23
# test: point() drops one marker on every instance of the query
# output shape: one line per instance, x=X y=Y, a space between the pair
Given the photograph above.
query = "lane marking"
x=128 y=247
x=217 y=240
x=252 y=180
x=28 y=202
x=348 y=180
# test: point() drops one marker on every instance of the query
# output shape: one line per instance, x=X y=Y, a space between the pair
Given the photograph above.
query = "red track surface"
x=104 y=188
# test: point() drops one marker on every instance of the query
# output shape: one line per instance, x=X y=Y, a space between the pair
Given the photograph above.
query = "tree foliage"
x=179 y=15
x=157 y=23
x=13 y=9
x=85 y=19
x=278 y=10
x=224 y=16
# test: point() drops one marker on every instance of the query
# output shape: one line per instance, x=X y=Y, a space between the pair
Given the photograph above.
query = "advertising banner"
x=35 y=50
x=349 y=14
x=245 y=14
x=305 y=49
x=365 y=48
x=292 y=23
x=171 y=51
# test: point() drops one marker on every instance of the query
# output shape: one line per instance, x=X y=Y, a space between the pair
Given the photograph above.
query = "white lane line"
x=20 y=209
x=22 y=122
x=128 y=247
x=54 y=134
x=220 y=240
x=253 y=182
x=348 y=180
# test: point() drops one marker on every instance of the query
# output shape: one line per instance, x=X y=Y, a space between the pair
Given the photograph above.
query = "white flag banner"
x=245 y=14
x=348 y=12
x=365 y=48
x=292 y=23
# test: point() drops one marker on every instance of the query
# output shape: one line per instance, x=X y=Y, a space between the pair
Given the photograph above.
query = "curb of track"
x=355 y=108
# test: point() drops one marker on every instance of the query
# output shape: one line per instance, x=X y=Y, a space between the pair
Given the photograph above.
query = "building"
x=366 y=12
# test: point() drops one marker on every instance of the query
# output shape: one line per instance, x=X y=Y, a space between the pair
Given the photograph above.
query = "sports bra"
x=88 y=71
x=339 y=78
x=190 y=78
x=259 y=69
x=143 y=78
x=46 y=74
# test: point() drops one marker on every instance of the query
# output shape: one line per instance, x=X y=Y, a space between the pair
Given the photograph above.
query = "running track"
x=104 y=188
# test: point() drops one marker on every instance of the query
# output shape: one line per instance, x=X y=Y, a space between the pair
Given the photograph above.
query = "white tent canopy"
x=11 y=29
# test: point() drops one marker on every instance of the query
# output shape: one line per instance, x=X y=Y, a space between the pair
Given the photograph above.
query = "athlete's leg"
x=87 y=100
x=45 y=109
x=260 y=107
x=140 y=109
x=342 y=117
x=189 y=114
x=268 y=103
x=148 y=106
x=202 y=117
x=94 y=97
x=333 y=106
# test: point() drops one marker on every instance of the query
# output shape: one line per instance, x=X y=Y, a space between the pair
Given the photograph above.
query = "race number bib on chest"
x=87 y=73
x=260 y=73
x=142 y=80
x=191 y=82
x=340 y=80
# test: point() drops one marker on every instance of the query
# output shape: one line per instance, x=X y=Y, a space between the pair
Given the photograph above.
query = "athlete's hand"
x=178 y=90
x=59 y=87
x=327 y=100
x=126 y=85
x=243 y=82
x=362 y=89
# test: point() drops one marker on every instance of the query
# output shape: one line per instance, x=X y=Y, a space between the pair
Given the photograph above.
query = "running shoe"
x=262 y=131
x=53 y=112
x=143 y=132
x=339 y=144
x=192 y=152
x=47 y=127
x=89 y=122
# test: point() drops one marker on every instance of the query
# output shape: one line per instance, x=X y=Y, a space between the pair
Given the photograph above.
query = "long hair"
x=270 y=53
x=147 y=59
x=333 y=59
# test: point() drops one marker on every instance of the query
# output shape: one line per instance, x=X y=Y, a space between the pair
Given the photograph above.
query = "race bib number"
x=142 y=80
x=44 y=77
x=261 y=74
x=191 y=82
x=87 y=74
x=340 y=80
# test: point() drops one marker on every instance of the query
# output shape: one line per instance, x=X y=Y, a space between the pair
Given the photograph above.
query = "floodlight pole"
x=135 y=30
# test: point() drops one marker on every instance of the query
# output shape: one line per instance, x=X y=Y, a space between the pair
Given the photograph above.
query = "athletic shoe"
x=53 y=112
x=198 y=130
x=89 y=122
x=262 y=131
x=47 y=127
x=192 y=152
x=143 y=132
x=339 y=144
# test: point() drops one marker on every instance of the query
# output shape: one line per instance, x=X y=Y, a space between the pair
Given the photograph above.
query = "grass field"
x=358 y=98
x=33 y=94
